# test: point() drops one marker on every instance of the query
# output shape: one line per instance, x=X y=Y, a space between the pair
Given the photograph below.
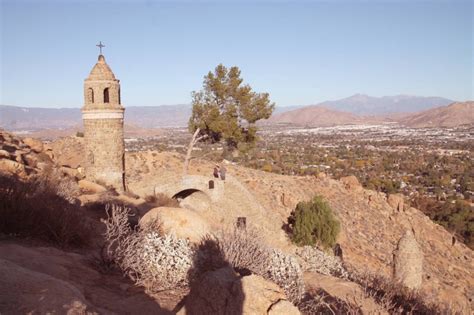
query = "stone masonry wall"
x=104 y=148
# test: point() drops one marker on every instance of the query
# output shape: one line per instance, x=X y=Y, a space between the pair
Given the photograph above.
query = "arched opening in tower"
x=106 y=95
x=90 y=95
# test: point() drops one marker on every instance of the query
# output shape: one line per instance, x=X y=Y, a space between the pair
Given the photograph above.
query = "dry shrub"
x=110 y=189
x=131 y=194
x=155 y=262
x=316 y=260
x=37 y=209
x=244 y=250
x=396 y=298
x=161 y=200
x=64 y=186
x=285 y=271
x=321 y=302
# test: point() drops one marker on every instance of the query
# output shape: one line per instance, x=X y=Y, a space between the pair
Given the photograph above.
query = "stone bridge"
x=182 y=187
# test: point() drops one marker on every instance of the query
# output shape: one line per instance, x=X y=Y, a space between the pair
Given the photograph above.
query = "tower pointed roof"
x=101 y=71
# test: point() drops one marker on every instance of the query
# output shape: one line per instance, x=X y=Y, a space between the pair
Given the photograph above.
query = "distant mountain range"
x=352 y=110
x=35 y=118
x=361 y=104
x=455 y=114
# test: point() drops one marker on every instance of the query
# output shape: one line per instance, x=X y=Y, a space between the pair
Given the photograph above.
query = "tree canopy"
x=226 y=109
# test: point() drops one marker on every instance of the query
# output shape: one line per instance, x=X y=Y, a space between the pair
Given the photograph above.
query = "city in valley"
x=432 y=167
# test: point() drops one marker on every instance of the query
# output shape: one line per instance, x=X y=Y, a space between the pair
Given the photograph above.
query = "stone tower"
x=408 y=262
x=102 y=116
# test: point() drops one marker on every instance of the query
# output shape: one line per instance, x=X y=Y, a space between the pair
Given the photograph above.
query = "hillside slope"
x=453 y=115
x=371 y=228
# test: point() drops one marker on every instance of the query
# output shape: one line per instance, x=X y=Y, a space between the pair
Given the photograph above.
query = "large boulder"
x=225 y=292
x=213 y=294
x=183 y=223
x=69 y=151
x=35 y=144
x=47 y=280
x=25 y=291
x=260 y=295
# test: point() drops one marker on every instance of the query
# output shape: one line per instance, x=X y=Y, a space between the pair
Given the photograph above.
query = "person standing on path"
x=222 y=171
x=216 y=171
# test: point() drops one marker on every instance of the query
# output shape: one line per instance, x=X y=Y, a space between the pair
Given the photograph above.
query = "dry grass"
x=322 y=303
x=397 y=299
x=42 y=209
x=161 y=200
x=131 y=194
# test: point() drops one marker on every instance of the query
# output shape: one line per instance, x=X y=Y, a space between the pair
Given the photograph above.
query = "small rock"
x=49 y=153
x=71 y=172
x=4 y=154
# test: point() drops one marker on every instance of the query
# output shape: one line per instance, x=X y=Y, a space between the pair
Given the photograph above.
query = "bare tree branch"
x=195 y=139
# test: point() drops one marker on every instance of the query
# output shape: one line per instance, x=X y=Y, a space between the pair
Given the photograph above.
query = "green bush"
x=313 y=223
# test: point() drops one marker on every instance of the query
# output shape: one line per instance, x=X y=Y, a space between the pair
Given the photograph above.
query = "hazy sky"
x=300 y=52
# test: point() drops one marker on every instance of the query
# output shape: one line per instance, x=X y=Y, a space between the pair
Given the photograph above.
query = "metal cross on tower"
x=100 y=45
